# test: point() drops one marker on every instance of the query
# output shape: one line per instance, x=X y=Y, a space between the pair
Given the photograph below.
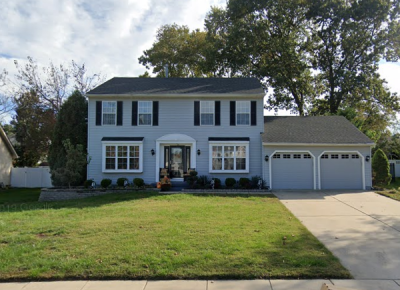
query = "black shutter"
x=119 y=113
x=253 y=113
x=134 y=113
x=196 y=113
x=217 y=113
x=233 y=113
x=155 y=113
x=98 y=113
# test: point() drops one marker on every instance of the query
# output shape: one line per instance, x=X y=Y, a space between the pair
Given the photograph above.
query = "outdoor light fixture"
x=367 y=158
x=152 y=152
x=266 y=158
x=198 y=152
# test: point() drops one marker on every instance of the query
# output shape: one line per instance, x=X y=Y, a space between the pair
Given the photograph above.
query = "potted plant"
x=165 y=184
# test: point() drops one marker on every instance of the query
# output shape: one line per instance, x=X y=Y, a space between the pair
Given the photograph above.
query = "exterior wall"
x=317 y=151
x=175 y=117
x=5 y=163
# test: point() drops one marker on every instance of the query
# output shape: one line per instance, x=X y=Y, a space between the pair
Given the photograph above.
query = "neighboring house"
x=141 y=127
x=7 y=155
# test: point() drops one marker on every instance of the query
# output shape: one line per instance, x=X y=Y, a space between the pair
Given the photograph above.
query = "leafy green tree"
x=381 y=168
x=71 y=125
x=34 y=126
x=71 y=172
x=180 y=49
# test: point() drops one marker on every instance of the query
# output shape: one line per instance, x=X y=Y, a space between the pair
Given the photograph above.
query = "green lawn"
x=153 y=236
x=392 y=190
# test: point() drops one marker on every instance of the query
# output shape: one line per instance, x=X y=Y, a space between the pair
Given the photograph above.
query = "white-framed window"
x=325 y=156
x=297 y=156
x=286 y=156
x=242 y=112
x=207 y=110
x=229 y=157
x=334 y=156
x=345 y=156
x=307 y=156
x=145 y=112
x=355 y=156
x=276 y=156
x=109 y=112
x=122 y=157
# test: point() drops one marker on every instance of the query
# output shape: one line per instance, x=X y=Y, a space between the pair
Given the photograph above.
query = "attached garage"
x=292 y=170
x=315 y=152
x=341 y=170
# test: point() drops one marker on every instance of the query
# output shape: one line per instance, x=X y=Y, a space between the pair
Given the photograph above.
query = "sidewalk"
x=204 y=285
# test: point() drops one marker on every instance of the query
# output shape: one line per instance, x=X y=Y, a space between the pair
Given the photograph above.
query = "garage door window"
x=297 y=156
x=277 y=156
x=345 y=156
x=286 y=156
x=307 y=156
x=355 y=156
x=325 y=156
x=335 y=156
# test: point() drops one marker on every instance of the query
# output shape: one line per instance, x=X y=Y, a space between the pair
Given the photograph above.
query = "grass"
x=392 y=190
x=153 y=236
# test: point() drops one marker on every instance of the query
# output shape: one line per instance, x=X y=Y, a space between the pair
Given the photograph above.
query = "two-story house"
x=138 y=127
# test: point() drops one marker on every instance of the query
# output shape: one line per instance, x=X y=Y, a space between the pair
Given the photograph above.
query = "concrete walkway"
x=362 y=229
x=204 y=285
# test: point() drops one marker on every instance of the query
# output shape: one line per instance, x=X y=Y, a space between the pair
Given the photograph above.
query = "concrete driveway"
x=362 y=229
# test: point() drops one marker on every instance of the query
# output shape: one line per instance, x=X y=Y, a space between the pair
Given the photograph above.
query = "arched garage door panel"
x=341 y=171
x=288 y=172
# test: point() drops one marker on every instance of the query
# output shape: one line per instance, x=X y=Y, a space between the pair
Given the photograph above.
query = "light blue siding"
x=175 y=117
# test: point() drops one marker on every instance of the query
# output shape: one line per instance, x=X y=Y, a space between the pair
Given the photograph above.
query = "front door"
x=176 y=161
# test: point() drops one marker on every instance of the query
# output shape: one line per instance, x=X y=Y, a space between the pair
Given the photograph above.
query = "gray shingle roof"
x=184 y=86
x=312 y=130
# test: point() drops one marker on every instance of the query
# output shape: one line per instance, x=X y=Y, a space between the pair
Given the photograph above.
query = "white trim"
x=236 y=113
x=178 y=140
x=228 y=143
x=291 y=151
x=213 y=124
x=151 y=114
x=121 y=143
x=316 y=144
x=102 y=113
x=342 y=151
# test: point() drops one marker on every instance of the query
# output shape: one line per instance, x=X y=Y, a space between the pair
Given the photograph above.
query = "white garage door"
x=341 y=171
x=292 y=171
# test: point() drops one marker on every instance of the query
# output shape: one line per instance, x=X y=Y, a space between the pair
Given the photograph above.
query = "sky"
x=107 y=36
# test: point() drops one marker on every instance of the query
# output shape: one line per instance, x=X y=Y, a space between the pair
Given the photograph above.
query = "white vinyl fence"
x=31 y=177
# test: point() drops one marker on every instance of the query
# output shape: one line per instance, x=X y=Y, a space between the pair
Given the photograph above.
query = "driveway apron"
x=362 y=229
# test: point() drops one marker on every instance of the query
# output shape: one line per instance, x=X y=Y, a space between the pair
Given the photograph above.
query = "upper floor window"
x=243 y=113
x=145 y=109
x=109 y=112
x=207 y=110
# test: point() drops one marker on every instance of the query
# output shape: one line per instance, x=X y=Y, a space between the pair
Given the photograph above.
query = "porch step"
x=178 y=185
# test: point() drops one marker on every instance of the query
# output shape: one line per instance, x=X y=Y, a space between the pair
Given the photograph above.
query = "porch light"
x=152 y=152
x=198 y=152
x=367 y=158
x=266 y=158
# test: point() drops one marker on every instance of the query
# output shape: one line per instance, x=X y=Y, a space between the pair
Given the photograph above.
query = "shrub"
x=203 y=180
x=121 y=181
x=230 y=182
x=244 y=182
x=105 y=183
x=192 y=179
x=254 y=182
x=139 y=182
x=381 y=168
x=217 y=183
x=87 y=183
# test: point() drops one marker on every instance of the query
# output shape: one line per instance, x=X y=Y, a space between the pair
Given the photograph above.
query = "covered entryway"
x=292 y=170
x=341 y=170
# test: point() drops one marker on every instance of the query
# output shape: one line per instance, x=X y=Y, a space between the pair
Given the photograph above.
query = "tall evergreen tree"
x=71 y=124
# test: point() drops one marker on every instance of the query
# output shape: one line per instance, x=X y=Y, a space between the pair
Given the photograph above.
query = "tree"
x=182 y=50
x=71 y=125
x=350 y=38
x=6 y=100
x=34 y=126
x=54 y=83
x=71 y=172
x=381 y=168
